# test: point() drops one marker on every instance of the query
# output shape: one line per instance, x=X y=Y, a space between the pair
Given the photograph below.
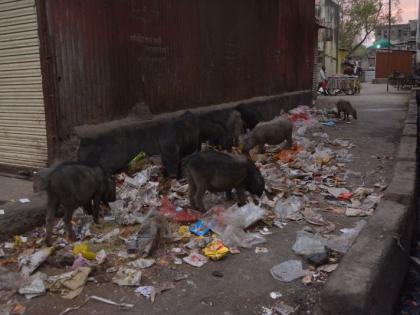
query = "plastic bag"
x=343 y=242
x=308 y=244
x=215 y=250
x=235 y=237
x=289 y=208
x=288 y=271
x=245 y=216
x=83 y=248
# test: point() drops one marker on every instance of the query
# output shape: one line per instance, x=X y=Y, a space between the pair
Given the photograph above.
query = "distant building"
x=328 y=15
x=403 y=36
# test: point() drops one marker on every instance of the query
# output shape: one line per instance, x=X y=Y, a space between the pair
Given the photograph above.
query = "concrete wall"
x=113 y=145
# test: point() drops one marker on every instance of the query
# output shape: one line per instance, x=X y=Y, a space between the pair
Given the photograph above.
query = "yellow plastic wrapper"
x=18 y=240
x=83 y=249
x=184 y=231
x=215 y=250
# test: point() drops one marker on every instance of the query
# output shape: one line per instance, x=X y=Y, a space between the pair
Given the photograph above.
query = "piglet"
x=73 y=185
x=271 y=132
x=220 y=172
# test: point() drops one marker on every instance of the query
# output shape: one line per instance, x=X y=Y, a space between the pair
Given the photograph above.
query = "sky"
x=409 y=9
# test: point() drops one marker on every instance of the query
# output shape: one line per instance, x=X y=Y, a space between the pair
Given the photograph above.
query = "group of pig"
x=75 y=184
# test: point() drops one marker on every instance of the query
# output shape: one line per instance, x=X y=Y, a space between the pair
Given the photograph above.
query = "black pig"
x=73 y=185
x=215 y=132
x=178 y=139
x=220 y=172
x=250 y=116
x=347 y=109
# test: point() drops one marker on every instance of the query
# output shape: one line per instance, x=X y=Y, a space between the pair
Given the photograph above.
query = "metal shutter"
x=23 y=140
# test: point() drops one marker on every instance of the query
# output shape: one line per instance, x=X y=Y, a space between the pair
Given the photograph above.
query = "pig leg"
x=52 y=206
x=241 y=196
x=192 y=188
x=87 y=208
x=199 y=195
x=95 y=212
x=289 y=141
x=228 y=194
x=68 y=214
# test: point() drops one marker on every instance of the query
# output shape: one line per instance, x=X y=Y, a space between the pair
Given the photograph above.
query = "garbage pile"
x=151 y=220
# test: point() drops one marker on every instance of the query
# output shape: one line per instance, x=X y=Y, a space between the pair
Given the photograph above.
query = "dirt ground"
x=246 y=283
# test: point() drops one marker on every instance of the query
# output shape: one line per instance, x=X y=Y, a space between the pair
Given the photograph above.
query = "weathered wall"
x=104 y=56
x=387 y=62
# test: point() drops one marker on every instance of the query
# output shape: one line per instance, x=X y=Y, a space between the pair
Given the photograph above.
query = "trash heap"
x=151 y=223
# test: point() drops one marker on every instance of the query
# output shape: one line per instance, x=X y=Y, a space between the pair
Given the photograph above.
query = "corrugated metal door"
x=23 y=140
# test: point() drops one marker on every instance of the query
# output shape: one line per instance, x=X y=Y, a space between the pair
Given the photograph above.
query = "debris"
x=180 y=276
x=83 y=249
x=261 y=250
x=69 y=284
x=337 y=192
x=308 y=244
x=344 y=196
x=107 y=237
x=217 y=274
x=289 y=208
x=328 y=268
x=18 y=309
x=28 y=264
x=127 y=277
x=288 y=155
x=137 y=162
x=24 y=200
x=199 y=228
x=215 y=250
x=245 y=216
x=101 y=256
x=144 y=176
x=284 y=309
x=178 y=214
x=148 y=237
x=1 y=211
x=123 y=306
x=35 y=287
x=275 y=295
x=265 y=231
x=8 y=245
x=233 y=236
x=147 y=291
x=288 y=271
x=142 y=263
x=318 y=259
x=196 y=260
x=352 y=212
x=61 y=258
x=328 y=123
x=80 y=261
x=343 y=242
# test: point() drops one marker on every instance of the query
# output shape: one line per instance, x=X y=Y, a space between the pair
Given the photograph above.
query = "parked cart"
x=347 y=84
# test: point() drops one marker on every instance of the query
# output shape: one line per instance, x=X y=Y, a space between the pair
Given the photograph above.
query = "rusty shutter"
x=23 y=141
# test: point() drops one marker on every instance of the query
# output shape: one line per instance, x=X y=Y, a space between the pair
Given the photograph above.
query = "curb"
x=19 y=218
x=370 y=276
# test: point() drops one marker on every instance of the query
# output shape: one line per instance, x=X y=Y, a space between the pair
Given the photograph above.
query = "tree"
x=359 y=18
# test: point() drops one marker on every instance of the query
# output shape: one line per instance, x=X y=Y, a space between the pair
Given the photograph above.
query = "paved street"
x=247 y=282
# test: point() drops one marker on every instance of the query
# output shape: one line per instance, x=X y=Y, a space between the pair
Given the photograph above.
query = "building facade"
x=68 y=63
x=403 y=36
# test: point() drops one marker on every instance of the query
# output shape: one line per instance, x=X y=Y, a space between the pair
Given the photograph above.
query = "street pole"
x=389 y=39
